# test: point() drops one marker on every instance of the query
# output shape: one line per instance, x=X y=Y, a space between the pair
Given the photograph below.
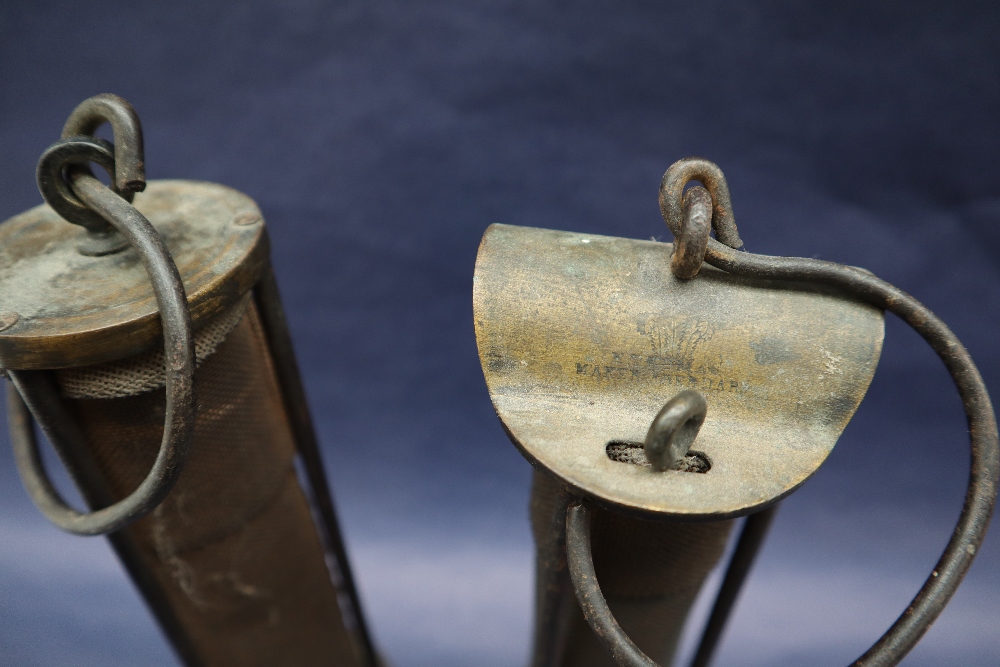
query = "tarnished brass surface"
x=69 y=309
x=583 y=338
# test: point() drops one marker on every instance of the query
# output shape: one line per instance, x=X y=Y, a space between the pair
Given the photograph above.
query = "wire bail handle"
x=70 y=188
x=688 y=215
x=124 y=161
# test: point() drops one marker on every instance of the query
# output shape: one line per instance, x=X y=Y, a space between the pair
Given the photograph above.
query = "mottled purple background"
x=381 y=138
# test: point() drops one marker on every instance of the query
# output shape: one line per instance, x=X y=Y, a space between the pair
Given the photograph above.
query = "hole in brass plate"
x=633 y=453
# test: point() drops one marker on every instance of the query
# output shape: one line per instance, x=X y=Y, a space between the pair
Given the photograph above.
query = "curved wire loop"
x=672 y=187
x=178 y=344
x=691 y=240
x=981 y=492
x=674 y=429
x=130 y=170
x=63 y=161
x=588 y=592
x=123 y=160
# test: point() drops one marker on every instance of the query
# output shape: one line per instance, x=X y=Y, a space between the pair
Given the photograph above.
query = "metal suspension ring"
x=179 y=362
x=984 y=472
x=691 y=239
x=123 y=160
x=53 y=183
x=672 y=187
x=674 y=429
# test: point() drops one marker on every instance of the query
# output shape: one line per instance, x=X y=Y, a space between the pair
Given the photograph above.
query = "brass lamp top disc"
x=583 y=339
x=61 y=308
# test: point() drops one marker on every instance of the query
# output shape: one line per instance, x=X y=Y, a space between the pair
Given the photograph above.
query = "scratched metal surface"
x=583 y=338
x=75 y=310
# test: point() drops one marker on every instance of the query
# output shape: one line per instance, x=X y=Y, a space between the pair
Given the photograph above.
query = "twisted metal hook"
x=691 y=241
x=672 y=187
x=129 y=173
x=66 y=160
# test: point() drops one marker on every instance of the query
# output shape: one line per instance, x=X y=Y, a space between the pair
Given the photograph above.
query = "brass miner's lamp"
x=183 y=449
x=659 y=398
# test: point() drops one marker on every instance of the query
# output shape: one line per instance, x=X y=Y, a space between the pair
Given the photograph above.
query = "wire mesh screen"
x=233 y=546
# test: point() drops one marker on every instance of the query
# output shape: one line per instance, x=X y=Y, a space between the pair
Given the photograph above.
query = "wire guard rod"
x=280 y=343
x=751 y=539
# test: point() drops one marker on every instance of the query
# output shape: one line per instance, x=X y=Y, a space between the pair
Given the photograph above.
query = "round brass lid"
x=60 y=308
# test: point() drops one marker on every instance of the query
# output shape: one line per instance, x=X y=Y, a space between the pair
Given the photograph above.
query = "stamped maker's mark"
x=672 y=358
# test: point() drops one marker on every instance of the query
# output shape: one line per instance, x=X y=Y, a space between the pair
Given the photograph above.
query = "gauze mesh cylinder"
x=242 y=563
x=233 y=547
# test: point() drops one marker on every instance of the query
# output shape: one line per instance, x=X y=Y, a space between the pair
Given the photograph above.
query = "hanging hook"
x=70 y=188
x=70 y=157
x=684 y=212
x=130 y=166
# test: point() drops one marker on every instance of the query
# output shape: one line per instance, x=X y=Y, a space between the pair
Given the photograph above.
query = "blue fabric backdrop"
x=381 y=138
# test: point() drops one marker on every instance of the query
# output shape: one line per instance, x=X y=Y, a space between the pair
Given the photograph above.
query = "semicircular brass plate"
x=75 y=310
x=583 y=338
